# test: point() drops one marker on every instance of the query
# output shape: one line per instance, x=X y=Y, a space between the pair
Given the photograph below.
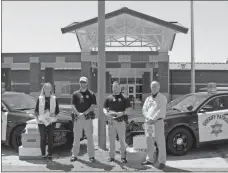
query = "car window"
x=188 y=102
x=218 y=103
x=19 y=101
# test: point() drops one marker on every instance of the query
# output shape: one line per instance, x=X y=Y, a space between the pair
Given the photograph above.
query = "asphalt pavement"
x=211 y=158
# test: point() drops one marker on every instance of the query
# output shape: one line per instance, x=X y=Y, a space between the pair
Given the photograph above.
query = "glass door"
x=131 y=92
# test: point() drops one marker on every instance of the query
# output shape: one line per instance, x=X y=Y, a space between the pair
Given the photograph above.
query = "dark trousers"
x=43 y=138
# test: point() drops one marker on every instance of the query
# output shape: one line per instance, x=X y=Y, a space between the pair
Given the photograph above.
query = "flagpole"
x=192 y=50
x=101 y=74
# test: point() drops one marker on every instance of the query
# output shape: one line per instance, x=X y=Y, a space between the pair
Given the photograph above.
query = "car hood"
x=62 y=116
x=169 y=114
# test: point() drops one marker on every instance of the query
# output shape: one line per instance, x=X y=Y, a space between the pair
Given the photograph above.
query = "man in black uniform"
x=116 y=106
x=83 y=104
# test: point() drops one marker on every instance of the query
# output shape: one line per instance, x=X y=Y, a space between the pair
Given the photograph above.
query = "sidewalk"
x=203 y=159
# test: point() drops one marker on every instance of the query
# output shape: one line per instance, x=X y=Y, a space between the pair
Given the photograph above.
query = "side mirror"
x=206 y=108
x=4 y=109
x=190 y=108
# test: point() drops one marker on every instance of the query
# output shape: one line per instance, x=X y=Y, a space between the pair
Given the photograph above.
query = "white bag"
x=45 y=118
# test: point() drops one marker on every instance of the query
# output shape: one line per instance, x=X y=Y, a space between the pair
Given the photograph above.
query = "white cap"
x=83 y=79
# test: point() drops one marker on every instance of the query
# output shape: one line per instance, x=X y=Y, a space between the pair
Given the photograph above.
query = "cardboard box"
x=29 y=153
x=30 y=140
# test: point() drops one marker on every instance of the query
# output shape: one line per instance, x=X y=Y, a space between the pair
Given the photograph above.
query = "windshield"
x=183 y=103
x=19 y=101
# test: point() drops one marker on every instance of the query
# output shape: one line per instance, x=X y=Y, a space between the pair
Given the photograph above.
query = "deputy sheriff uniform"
x=117 y=103
x=155 y=108
x=82 y=101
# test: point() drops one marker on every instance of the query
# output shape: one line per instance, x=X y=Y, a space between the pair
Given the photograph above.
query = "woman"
x=46 y=105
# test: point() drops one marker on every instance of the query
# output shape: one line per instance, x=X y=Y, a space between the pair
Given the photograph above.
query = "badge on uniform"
x=119 y=99
x=87 y=96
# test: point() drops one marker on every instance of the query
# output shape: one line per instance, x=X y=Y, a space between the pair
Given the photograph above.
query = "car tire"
x=16 y=137
x=179 y=141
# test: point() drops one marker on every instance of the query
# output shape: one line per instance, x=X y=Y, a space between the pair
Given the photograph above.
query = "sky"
x=36 y=26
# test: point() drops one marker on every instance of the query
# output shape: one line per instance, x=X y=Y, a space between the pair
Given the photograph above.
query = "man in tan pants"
x=154 y=111
x=83 y=104
x=116 y=106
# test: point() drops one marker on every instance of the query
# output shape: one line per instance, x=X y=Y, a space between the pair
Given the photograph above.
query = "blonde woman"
x=47 y=104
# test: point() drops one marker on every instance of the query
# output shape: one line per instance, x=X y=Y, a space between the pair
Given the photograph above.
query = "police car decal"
x=213 y=125
x=4 y=125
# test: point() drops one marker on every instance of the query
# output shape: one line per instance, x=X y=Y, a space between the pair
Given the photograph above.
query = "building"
x=137 y=52
x=67 y=70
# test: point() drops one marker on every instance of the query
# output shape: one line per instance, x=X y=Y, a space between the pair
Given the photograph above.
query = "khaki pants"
x=79 y=125
x=161 y=143
x=120 y=129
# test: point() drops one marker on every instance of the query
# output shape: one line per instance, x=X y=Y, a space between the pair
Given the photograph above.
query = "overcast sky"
x=35 y=26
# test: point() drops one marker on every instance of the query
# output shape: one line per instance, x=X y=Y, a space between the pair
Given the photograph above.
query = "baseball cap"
x=83 y=79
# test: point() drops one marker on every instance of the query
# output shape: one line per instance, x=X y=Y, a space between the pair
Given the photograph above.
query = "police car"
x=18 y=108
x=192 y=120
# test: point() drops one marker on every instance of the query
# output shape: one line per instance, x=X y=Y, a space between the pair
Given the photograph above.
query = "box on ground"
x=30 y=140
x=29 y=153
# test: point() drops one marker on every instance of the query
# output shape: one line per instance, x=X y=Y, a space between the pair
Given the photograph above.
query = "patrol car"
x=191 y=120
x=18 y=108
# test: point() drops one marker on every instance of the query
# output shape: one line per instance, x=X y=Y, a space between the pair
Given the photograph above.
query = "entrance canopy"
x=127 y=28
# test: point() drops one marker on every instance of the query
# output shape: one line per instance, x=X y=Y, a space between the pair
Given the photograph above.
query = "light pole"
x=101 y=75
x=192 y=50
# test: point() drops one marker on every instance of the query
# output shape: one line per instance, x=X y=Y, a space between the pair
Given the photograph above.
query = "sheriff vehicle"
x=192 y=120
x=18 y=108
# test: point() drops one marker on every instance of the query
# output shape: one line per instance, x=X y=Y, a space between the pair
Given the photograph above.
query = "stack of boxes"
x=30 y=139
x=137 y=153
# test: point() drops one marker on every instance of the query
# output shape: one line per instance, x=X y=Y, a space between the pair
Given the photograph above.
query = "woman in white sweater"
x=47 y=108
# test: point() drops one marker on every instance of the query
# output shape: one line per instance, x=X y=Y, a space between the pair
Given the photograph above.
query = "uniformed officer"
x=83 y=104
x=116 y=106
x=154 y=111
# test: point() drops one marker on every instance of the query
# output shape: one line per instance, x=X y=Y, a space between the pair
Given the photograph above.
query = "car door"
x=213 y=119
x=4 y=113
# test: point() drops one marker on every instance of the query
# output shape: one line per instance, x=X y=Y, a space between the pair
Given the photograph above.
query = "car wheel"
x=16 y=137
x=179 y=141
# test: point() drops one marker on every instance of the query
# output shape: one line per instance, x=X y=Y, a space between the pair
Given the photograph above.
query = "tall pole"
x=192 y=50
x=101 y=74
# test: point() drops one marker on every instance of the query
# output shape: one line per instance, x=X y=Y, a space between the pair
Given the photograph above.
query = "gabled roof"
x=128 y=11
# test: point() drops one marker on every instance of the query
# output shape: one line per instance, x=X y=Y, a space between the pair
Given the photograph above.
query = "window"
x=123 y=80
x=138 y=80
x=138 y=88
x=218 y=103
x=131 y=80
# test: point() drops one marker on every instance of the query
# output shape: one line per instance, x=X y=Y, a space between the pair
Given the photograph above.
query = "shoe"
x=111 y=160
x=43 y=157
x=124 y=160
x=161 y=166
x=49 y=157
x=92 y=159
x=147 y=163
x=73 y=159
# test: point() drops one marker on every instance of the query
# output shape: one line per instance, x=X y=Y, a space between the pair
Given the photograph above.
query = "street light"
x=192 y=50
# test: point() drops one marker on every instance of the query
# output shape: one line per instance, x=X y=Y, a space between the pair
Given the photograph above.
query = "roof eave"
x=126 y=11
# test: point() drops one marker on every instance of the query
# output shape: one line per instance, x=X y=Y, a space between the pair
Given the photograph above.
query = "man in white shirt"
x=154 y=111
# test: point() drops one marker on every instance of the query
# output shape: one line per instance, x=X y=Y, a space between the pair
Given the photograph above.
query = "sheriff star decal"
x=216 y=128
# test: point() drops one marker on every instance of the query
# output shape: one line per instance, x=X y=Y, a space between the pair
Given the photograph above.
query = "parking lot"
x=211 y=158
